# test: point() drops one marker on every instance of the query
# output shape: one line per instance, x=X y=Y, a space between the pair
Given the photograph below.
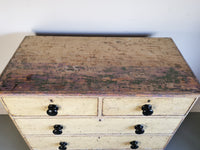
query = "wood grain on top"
x=98 y=66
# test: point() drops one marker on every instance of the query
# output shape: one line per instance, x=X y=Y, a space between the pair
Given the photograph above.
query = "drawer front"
x=116 y=125
x=31 y=106
x=133 y=106
x=103 y=142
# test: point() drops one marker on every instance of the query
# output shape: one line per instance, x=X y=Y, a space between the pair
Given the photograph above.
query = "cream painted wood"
x=2 y=110
x=109 y=125
x=101 y=142
x=196 y=107
x=161 y=105
x=31 y=106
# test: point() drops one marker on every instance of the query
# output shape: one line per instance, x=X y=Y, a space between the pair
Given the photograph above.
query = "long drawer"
x=101 y=142
x=107 y=125
x=133 y=106
x=32 y=106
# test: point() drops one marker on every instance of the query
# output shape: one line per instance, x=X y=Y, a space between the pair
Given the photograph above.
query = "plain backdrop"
x=178 y=19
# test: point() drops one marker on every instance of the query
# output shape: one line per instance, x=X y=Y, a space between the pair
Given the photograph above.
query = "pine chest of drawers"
x=97 y=92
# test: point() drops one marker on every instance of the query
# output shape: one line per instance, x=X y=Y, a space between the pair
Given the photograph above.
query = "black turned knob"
x=62 y=146
x=134 y=145
x=147 y=110
x=52 y=110
x=57 y=129
x=139 y=129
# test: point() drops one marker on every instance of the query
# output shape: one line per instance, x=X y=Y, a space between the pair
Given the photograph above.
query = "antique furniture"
x=67 y=92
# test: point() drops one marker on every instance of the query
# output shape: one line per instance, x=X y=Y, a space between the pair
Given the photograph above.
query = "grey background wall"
x=179 y=19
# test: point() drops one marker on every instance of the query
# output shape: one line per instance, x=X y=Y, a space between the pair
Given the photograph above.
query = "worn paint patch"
x=106 y=80
x=93 y=65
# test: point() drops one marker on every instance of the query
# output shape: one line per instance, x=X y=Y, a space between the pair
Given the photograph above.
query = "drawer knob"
x=134 y=145
x=62 y=146
x=52 y=110
x=147 y=110
x=139 y=129
x=57 y=129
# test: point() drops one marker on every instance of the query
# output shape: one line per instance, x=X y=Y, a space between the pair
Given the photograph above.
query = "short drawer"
x=100 y=142
x=133 y=106
x=31 y=106
x=109 y=125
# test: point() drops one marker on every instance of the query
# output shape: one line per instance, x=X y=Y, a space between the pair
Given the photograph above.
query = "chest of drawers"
x=97 y=92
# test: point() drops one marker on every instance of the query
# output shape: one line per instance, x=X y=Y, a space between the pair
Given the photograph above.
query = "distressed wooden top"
x=98 y=66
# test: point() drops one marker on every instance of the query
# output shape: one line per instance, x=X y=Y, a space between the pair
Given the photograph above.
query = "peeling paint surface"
x=98 y=65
